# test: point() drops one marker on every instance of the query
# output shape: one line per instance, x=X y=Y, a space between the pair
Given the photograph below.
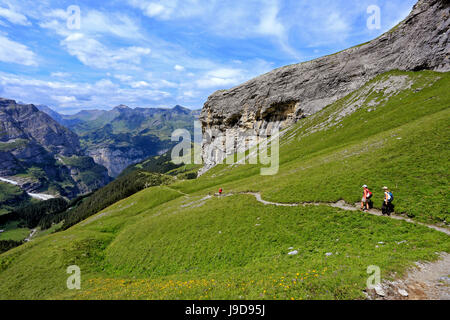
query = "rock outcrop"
x=115 y=159
x=283 y=96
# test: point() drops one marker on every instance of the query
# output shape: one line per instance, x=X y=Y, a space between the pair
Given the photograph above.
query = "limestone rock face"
x=116 y=160
x=283 y=96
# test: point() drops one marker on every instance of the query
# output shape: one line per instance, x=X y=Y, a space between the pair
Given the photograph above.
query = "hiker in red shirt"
x=367 y=194
x=220 y=191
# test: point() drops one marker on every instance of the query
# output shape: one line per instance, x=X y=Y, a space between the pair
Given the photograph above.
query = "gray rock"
x=281 y=97
x=116 y=160
x=379 y=290
x=403 y=292
x=293 y=253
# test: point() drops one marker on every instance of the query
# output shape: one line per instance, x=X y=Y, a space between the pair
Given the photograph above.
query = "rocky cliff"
x=285 y=95
x=21 y=121
x=117 y=159
x=32 y=149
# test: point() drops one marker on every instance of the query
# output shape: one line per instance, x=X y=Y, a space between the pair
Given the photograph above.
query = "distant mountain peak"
x=122 y=107
x=181 y=109
x=5 y=102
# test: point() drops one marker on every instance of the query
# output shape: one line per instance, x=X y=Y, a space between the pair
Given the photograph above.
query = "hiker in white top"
x=387 y=207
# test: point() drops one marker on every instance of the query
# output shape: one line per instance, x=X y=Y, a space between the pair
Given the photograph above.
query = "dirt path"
x=428 y=281
x=31 y=235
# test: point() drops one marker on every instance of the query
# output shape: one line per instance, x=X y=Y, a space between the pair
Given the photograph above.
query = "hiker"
x=220 y=191
x=367 y=194
x=387 y=207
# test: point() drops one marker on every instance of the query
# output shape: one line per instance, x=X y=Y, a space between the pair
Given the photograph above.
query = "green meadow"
x=175 y=242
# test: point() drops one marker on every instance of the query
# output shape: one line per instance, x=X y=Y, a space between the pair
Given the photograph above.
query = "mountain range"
x=42 y=156
x=123 y=136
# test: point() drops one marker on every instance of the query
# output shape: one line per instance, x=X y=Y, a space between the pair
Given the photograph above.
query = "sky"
x=83 y=55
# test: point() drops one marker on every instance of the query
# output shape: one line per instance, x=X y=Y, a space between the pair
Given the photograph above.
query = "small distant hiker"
x=367 y=194
x=387 y=207
x=220 y=191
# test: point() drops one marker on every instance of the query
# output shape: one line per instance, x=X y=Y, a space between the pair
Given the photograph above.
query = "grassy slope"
x=13 y=232
x=11 y=196
x=158 y=244
x=9 y=192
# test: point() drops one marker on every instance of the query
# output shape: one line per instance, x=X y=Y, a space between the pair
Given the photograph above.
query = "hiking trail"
x=341 y=204
x=430 y=280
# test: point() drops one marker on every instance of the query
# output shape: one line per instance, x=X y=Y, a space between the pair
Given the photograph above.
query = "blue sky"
x=150 y=53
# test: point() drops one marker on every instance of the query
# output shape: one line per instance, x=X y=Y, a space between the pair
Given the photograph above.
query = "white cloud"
x=167 y=84
x=225 y=73
x=213 y=82
x=177 y=67
x=105 y=83
x=93 y=23
x=189 y=94
x=140 y=84
x=236 y=19
x=91 y=44
x=170 y=9
x=14 y=17
x=60 y=74
x=94 y=54
x=64 y=99
x=220 y=78
x=336 y=23
x=11 y=51
x=269 y=23
x=72 y=96
x=56 y=13
x=116 y=24
x=156 y=9
x=123 y=77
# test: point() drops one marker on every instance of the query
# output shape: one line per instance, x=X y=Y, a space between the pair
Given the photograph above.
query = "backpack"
x=369 y=194
x=391 y=196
